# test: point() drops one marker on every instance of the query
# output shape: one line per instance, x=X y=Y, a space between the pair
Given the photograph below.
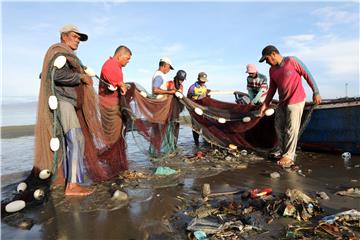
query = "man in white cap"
x=256 y=85
x=165 y=65
x=69 y=81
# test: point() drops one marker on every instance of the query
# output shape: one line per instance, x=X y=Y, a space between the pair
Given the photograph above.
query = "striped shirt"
x=257 y=88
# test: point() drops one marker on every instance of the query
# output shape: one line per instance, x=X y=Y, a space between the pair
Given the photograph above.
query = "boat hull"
x=334 y=127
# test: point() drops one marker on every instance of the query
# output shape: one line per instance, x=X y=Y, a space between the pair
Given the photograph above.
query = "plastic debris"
x=205 y=225
x=353 y=215
x=275 y=175
x=322 y=195
x=254 y=193
x=200 y=235
x=351 y=192
x=164 y=171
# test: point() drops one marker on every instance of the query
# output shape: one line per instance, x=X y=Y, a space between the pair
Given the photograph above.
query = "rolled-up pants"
x=73 y=166
x=287 y=125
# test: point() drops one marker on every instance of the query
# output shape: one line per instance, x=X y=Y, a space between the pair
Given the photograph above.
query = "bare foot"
x=285 y=162
x=74 y=189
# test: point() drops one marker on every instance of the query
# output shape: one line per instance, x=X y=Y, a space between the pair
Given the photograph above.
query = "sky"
x=219 y=38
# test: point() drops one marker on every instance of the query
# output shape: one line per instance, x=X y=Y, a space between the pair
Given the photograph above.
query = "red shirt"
x=286 y=78
x=171 y=85
x=111 y=72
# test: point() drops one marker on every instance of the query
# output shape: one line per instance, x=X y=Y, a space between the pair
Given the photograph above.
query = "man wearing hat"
x=285 y=76
x=165 y=65
x=256 y=85
x=70 y=80
x=198 y=91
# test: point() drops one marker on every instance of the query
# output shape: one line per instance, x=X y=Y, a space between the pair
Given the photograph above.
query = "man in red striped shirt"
x=285 y=76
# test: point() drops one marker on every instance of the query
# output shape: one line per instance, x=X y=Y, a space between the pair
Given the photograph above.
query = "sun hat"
x=251 y=68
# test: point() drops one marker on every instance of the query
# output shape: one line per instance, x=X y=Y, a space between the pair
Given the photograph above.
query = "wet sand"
x=17 y=131
x=153 y=201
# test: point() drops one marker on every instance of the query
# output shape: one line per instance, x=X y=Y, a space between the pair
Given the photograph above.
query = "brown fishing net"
x=100 y=148
x=156 y=120
x=257 y=134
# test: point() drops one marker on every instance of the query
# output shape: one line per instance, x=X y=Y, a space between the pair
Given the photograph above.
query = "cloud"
x=299 y=41
x=172 y=49
x=331 y=16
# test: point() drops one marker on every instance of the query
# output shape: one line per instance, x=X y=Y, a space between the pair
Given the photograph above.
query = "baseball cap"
x=168 y=61
x=251 y=68
x=267 y=51
x=181 y=75
x=72 y=28
x=202 y=77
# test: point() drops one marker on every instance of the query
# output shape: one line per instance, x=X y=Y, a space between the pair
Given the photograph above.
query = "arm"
x=157 y=82
x=262 y=90
x=303 y=71
x=66 y=77
x=269 y=96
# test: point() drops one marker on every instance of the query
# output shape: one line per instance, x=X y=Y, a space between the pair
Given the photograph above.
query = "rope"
x=306 y=120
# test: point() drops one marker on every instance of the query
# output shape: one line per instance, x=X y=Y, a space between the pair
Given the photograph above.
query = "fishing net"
x=154 y=122
x=223 y=123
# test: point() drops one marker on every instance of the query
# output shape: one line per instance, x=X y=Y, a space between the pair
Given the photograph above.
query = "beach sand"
x=16 y=131
x=156 y=205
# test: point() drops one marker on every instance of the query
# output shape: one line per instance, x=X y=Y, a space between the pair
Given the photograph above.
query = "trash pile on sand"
x=248 y=212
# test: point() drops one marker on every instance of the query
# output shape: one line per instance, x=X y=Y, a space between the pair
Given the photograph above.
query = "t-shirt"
x=158 y=79
x=286 y=78
x=111 y=72
x=169 y=85
x=196 y=91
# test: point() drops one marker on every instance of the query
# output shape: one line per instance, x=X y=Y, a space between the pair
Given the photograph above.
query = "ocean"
x=16 y=111
x=17 y=153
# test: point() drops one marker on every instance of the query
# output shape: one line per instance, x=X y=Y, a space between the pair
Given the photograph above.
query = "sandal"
x=285 y=162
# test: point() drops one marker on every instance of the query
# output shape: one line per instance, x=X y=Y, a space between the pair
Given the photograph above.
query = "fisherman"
x=256 y=85
x=197 y=91
x=111 y=73
x=176 y=84
x=69 y=81
x=285 y=76
x=165 y=65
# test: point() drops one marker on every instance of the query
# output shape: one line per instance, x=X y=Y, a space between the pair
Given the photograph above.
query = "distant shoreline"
x=17 y=131
x=8 y=132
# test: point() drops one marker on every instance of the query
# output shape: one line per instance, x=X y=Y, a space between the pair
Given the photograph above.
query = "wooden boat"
x=334 y=126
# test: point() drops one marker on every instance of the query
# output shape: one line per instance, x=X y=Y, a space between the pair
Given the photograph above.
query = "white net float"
x=142 y=93
x=15 y=206
x=44 y=174
x=39 y=194
x=60 y=62
x=21 y=187
x=54 y=144
x=221 y=120
x=246 y=119
x=198 y=111
x=179 y=95
x=53 y=102
x=269 y=111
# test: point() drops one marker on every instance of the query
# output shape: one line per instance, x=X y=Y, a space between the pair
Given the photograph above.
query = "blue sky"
x=215 y=37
